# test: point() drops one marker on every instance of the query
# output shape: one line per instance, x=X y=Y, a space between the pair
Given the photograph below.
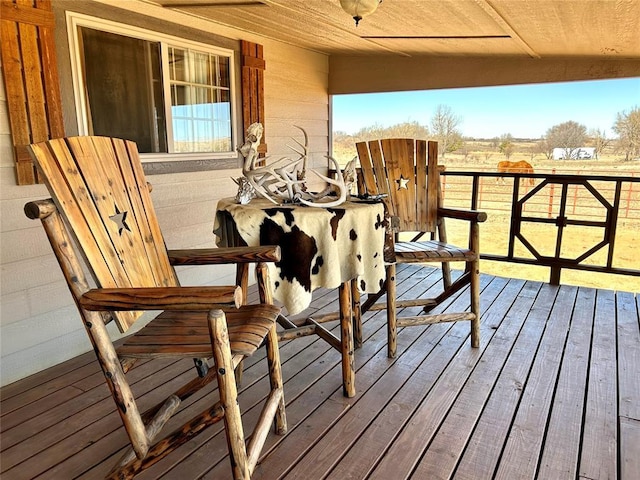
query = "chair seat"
x=185 y=333
x=431 y=251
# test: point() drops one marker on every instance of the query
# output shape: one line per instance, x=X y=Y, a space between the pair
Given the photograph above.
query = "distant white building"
x=581 y=153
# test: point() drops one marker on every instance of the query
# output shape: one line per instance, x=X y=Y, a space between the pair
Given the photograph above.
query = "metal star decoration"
x=402 y=183
x=120 y=219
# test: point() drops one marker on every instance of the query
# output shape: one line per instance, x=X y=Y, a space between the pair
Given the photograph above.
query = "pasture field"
x=495 y=199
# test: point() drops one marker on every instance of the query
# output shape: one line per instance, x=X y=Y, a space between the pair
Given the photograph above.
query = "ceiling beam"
x=488 y=7
x=350 y=74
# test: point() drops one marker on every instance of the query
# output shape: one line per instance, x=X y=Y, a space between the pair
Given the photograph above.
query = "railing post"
x=614 y=222
x=554 y=278
x=476 y=192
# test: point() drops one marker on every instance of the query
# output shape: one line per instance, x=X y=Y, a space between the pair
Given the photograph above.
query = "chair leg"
x=446 y=275
x=475 y=303
x=442 y=236
x=228 y=395
x=346 y=340
x=242 y=280
x=275 y=378
x=357 y=314
x=392 y=328
x=474 y=245
x=273 y=352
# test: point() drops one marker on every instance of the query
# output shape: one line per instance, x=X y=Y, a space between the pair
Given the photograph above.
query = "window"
x=173 y=97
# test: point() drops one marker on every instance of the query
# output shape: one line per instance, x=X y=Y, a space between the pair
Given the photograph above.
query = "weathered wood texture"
x=523 y=405
x=109 y=210
x=31 y=78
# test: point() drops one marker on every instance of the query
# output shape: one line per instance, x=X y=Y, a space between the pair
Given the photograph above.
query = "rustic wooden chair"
x=406 y=174
x=101 y=220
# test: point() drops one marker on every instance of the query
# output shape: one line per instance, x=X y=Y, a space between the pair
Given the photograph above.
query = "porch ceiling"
x=534 y=29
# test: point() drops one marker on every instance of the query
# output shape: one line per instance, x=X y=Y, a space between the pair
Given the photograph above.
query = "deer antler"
x=304 y=154
x=337 y=183
x=284 y=179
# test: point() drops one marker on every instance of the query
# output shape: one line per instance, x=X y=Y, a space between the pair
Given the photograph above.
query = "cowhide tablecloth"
x=321 y=247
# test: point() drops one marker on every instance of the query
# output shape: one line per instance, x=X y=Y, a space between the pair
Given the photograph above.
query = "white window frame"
x=75 y=20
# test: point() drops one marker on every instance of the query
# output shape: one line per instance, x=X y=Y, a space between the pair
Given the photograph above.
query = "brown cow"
x=516 y=167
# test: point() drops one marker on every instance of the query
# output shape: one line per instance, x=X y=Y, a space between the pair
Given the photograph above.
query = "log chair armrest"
x=469 y=215
x=39 y=209
x=161 y=298
x=218 y=256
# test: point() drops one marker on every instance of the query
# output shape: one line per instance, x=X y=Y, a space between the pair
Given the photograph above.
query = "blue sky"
x=524 y=111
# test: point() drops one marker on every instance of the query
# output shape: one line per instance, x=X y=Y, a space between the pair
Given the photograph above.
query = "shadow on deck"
x=552 y=393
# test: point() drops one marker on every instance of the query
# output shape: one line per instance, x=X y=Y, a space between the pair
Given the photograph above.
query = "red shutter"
x=253 y=67
x=30 y=75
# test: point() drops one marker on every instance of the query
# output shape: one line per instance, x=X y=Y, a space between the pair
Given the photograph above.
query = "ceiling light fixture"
x=359 y=8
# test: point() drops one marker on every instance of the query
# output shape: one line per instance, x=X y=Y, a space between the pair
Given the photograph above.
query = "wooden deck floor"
x=553 y=393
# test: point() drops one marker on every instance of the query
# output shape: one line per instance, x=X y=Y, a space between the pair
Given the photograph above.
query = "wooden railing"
x=549 y=216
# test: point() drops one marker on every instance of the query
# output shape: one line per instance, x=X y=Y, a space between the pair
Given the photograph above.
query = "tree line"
x=444 y=127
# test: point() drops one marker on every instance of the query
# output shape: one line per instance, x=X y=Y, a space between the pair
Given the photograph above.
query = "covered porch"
x=552 y=393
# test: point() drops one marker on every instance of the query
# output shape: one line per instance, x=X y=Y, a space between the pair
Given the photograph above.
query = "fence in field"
x=561 y=201
x=495 y=191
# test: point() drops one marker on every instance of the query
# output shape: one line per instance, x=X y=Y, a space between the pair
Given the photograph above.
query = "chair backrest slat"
x=407 y=171
x=423 y=214
x=150 y=233
x=98 y=185
x=433 y=186
x=399 y=159
x=367 y=167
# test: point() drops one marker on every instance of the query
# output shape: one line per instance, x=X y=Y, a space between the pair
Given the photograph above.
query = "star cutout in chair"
x=120 y=219
x=402 y=183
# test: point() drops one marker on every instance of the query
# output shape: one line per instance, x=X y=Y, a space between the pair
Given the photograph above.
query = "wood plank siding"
x=40 y=326
x=552 y=393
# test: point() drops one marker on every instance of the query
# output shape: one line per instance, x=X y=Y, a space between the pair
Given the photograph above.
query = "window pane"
x=223 y=72
x=127 y=79
x=201 y=110
x=201 y=70
x=177 y=64
x=124 y=88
